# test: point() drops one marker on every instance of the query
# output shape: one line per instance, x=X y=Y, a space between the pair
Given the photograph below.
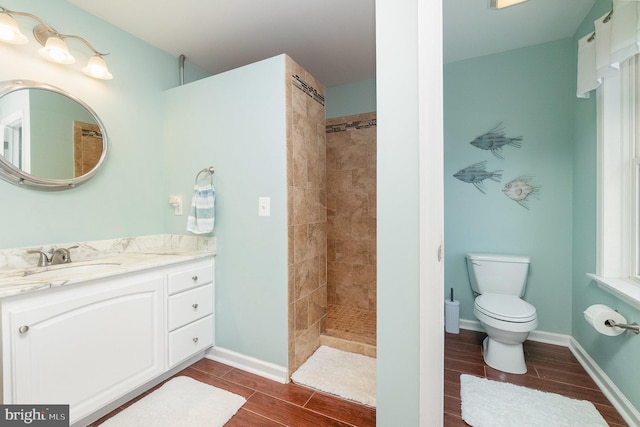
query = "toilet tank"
x=498 y=274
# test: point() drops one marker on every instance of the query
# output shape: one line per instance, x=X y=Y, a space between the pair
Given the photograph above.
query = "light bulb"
x=56 y=50
x=9 y=31
x=97 y=68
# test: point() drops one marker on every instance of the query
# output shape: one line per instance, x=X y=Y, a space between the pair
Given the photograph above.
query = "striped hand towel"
x=202 y=215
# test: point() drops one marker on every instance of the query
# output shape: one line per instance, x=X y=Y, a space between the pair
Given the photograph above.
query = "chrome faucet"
x=59 y=256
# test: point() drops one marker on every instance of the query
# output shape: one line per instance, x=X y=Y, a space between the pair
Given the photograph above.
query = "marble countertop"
x=93 y=260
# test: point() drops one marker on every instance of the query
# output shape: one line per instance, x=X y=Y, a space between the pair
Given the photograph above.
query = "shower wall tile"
x=307 y=212
x=301 y=308
x=317 y=304
x=339 y=181
x=351 y=211
x=302 y=247
x=352 y=204
x=306 y=343
x=364 y=228
x=352 y=295
x=322 y=274
x=300 y=166
x=306 y=277
x=364 y=180
x=373 y=200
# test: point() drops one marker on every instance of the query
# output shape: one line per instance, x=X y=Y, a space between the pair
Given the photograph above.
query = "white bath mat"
x=348 y=375
x=181 y=401
x=487 y=403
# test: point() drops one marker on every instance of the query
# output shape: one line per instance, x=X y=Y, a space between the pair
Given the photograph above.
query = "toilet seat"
x=506 y=308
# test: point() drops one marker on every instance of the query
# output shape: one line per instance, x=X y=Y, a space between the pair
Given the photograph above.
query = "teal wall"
x=128 y=196
x=529 y=90
x=235 y=121
x=613 y=354
x=352 y=98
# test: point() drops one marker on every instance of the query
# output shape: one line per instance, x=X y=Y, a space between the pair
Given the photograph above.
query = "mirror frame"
x=12 y=174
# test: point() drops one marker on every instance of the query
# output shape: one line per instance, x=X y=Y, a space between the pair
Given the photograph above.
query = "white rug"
x=487 y=403
x=181 y=401
x=348 y=375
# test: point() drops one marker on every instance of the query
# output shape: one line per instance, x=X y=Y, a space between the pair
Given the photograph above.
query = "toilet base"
x=504 y=357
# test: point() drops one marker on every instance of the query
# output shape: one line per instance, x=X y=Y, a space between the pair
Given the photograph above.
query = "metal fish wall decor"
x=519 y=190
x=476 y=174
x=494 y=140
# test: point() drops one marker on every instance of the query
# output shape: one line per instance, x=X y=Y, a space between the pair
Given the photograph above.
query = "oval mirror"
x=51 y=139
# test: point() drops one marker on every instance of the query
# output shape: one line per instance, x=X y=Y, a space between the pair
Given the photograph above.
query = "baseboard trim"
x=250 y=364
x=609 y=389
x=602 y=380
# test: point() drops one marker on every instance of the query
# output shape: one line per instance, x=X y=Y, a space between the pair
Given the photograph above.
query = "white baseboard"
x=250 y=364
x=608 y=388
x=471 y=325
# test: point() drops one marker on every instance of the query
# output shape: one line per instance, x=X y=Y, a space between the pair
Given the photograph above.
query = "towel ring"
x=210 y=170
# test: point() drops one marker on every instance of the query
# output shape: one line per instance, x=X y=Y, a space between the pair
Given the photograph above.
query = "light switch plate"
x=264 y=206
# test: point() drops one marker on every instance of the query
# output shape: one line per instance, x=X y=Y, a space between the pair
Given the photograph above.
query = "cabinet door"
x=88 y=346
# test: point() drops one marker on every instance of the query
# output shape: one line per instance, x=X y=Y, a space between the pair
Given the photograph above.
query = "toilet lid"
x=505 y=307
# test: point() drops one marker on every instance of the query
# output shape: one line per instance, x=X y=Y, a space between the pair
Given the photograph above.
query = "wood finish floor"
x=271 y=404
x=551 y=368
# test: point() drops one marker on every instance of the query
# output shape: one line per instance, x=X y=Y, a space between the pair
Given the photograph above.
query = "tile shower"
x=331 y=224
x=351 y=233
x=307 y=213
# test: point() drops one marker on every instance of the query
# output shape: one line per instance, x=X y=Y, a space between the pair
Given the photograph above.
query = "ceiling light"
x=500 y=4
x=9 y=31
x=54 y=46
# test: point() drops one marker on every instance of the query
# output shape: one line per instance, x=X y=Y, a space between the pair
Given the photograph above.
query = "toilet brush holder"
x=452 y=316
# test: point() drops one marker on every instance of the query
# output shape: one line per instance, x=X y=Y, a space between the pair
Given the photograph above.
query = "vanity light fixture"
x=54 y=48
x=500 y=4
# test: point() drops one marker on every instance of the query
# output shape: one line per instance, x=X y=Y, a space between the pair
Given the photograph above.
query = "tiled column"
x=307 y=217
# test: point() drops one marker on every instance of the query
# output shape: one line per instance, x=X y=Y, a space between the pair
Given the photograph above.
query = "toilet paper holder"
x=633 y=327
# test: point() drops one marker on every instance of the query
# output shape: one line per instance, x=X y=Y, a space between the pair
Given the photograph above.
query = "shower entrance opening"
x=351 y=234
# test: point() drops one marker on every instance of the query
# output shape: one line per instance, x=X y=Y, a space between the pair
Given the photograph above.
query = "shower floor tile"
x=351 y=324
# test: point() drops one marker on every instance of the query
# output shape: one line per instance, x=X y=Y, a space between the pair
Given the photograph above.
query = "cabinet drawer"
x=190 y=278
x=190 y=339
x=190 y=305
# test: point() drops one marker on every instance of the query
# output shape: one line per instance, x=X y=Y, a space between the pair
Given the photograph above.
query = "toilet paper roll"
x=597 y=314
x=452 y=316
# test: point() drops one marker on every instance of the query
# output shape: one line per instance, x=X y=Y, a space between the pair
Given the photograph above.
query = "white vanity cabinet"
x=190 y=312
x=89 y=344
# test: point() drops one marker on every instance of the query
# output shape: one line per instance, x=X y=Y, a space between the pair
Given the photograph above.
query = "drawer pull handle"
x=195 y=340
x=194 y=278
x=195 y=306
x=23 y=329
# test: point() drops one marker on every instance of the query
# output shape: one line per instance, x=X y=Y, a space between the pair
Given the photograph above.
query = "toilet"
x=499 y=282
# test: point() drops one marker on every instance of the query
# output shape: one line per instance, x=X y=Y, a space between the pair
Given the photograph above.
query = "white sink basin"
x=73 y=271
